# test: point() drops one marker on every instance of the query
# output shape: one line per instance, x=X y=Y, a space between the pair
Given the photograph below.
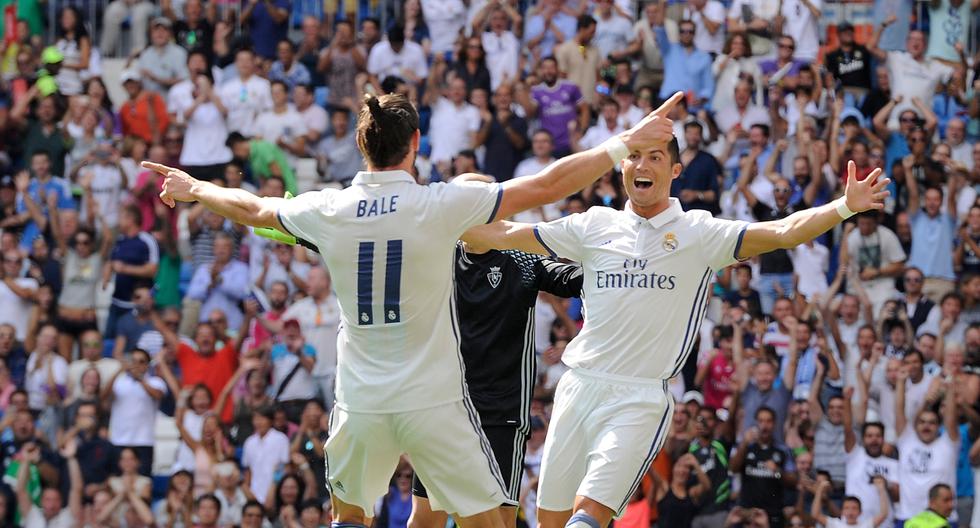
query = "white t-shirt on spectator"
x=16 y=311
x=263 y=456
x=204 y=138
x=596 y=135
x=35 y=519
x=502 y=53
x=107 y=368
x=799 y=23
x=319 y=323
x=703 y=39
x=920 y=467
x=810 y=264
x=194 y=425
x=728 y=117
x=316 y=118
x=272 y=125
x=36 y=378
x=132 y=421
x=860 y=468
x=612 y=34
x=107 y=188
x=451 y=128
x=911 y=78
x=245 y=101
x=383 y=61
x=444 y=18
x=836 y=522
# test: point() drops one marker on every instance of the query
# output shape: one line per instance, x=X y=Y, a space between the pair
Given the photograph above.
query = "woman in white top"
x=205 y=153
x=734 y=63
x=76 y=47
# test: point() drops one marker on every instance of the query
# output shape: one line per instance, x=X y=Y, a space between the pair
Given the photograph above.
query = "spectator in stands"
x=47 y=371
x=118 y=13
x=763 y=392
x=397 y=57
x=102 y=183
x=41 y=194
x=340 y=62
x=578 y=59
x=286 y=68
x=164 y=63
x=557 y=103
x=144 y=114
x=192 y=28
x=247 y=95
x=293 y=361
x=264 y=159
x=504 y=134
x=280 y=124
x=697 y=187
x=766 y=466
x=204 y=362
x=312 y=115
x=850 y=64
x=268 y=22
x=91 y=347
x=133 y=259
x=17 y=294
x=338 y=151
x=135 y=396
x=932 y=231
x=497 y=26
x=926 y=456
x=876 y=257
x=690 y=68
x=472 y=66
x=40 y=131
x=605 y=128
x=265 y=453
x=95 y=453
x=318 y=314
x=913 y=75
x=204 y=152
x=76 y=46
x=455 y=122
x=50 y=512
x=798 y=19
x=546 y=29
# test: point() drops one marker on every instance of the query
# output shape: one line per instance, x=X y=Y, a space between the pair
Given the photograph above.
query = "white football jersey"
x=646 y=284
x=389 y=244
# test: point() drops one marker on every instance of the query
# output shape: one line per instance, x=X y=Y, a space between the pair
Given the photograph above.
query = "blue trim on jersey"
x=695 y=308
x=654 y=449
x=365 y=282
x=496 y=205
x=537 y=235
x=283 y=224
x=393 y=282
x=738 y=245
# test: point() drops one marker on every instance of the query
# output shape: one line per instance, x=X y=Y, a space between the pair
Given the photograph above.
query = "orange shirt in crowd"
x=138 y=116
x=213 y=371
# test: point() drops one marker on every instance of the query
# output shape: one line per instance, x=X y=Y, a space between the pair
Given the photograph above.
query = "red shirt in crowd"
x=139 y=116
x=213 y=371
x=717 y=384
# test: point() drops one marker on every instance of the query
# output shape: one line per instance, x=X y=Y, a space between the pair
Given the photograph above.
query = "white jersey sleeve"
x=720 y=239
x=565 y=237
x=303 y=215
x=467 y=204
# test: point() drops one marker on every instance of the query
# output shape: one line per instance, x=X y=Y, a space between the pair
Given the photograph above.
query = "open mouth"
x=642 y=183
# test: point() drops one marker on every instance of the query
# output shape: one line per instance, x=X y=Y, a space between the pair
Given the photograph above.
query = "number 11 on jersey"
x=365 y=282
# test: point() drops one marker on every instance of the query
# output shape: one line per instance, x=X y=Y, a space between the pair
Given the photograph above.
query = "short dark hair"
x=254 y=504
x=936 y=488
x=396 y=34
x=854 y=499
x=280 y=83
x=234 y=138
x=765 y=409
x=41 y=152
x=585 y=21
x=385 y=127
x=609 y=101
x=868 y=425
x=693 y=124
x=674 y=150
x=764 y=128
x=311 y=503
x=951 y=295
x=208 y=497
x=913 y=352
x=306 y=86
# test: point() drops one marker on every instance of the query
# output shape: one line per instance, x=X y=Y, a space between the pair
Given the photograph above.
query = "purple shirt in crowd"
x=557 y=106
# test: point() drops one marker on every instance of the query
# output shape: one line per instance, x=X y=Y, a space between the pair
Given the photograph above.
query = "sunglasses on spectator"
x=686 y=31
x=781 y=190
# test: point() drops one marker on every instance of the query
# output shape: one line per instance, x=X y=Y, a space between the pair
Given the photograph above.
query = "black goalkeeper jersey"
x=495 y=297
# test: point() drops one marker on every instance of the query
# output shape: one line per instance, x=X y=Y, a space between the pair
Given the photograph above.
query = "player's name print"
x=377 y=207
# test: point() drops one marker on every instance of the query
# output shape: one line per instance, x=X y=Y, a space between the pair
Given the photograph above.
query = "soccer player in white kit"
x=648 y=270
x=389 y=245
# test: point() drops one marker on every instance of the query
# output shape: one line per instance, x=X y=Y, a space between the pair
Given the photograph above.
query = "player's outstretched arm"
x=799 y=227
x=573 y=173
x=237 y=205
x=503 y=235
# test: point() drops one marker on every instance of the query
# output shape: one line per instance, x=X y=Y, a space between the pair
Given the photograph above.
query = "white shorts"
x=602 y=439
x=445 y=443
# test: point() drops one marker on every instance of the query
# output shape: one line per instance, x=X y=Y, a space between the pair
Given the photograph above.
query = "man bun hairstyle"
x=385 y=127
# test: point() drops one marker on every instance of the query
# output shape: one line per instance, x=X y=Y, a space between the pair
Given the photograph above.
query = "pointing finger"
x=668 y=105
x=156 y=167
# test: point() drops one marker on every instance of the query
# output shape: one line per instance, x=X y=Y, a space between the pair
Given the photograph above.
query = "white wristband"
x=616 y=148
x=843 y=210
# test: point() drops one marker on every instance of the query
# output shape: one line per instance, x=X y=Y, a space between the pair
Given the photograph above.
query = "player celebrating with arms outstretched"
x=389 y=245
x=648 y=270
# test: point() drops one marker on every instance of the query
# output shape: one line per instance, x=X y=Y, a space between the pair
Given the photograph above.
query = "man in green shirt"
x=940 y=508
x=264 y=159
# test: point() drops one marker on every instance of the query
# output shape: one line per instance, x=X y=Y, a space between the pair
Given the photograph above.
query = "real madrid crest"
x=670 y=242
x=494 y=276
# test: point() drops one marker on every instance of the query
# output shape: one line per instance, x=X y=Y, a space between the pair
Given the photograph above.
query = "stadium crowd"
x=835 y=383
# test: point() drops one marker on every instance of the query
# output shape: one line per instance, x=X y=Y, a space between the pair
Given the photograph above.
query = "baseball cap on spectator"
x=130 y=75
x=290 y=323
x=853 y=115
x=7 y=182
x=693 y=395
x=161 y=21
